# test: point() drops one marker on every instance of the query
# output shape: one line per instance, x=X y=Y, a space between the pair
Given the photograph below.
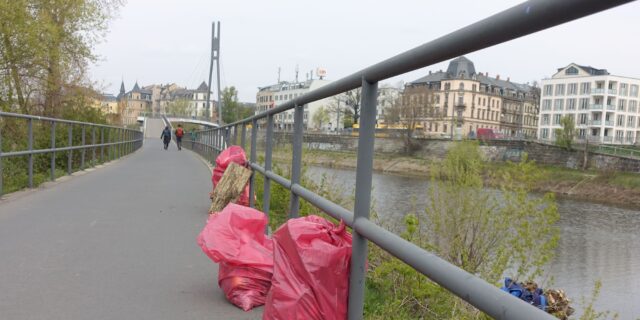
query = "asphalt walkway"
x=116 y=243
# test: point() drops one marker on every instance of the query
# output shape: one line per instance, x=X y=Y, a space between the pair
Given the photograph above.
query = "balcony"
x=595 y=122
x=609 y=123
x=594 y=106
x=597 y=91
x=607 y=139
x=611 y=107
x=612 y=91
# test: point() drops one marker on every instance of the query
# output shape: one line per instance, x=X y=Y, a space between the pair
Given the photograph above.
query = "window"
x=571 y=71
x=571 y=104
x=624 y=89
x=548 y=90
x=545 y=119
x=559 y=89
x=633 y=106
x=558 y=104
x=556 y=119
x=620 y=121
x=622 y=105
x=634 y=90
x=572 y=89
x=631 y=121
x=584 y=103
x=583 y=118
x=544 y=133
x=582 y=133
x=461 y=86
x=473 y=88
x=585 y=87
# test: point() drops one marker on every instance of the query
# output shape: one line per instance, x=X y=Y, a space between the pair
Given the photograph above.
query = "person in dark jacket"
x=166 y=137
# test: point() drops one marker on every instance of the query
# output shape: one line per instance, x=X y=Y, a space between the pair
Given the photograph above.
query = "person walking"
x=179 y=134
x=166 y=137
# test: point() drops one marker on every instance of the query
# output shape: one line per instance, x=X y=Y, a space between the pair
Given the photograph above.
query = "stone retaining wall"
x=493 y=150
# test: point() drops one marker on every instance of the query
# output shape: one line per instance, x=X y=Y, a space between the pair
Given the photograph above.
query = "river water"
x=598 y=242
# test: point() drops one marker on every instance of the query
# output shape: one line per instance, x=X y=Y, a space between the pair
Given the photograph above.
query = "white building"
x=603 y=106
x=274 y=95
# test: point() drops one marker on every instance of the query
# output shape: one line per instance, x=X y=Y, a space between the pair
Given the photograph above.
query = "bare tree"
x=413 y=107
x=352 y=101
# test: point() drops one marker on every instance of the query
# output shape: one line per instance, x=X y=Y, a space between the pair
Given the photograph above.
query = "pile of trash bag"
x=227 y=156
x=235 y=239
x=552 y=301
x=311 y=270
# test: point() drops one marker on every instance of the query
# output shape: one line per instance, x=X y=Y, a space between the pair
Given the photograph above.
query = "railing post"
x=70 y=152
x=266 y=199
x=83 y=148
x=243 y=135
x=296 y=160
x=362 y=204
x=252 y=159
x=93 y=142
x=30 y=147
x=109 y=146
x=235 y=135
x=102 y=144
x=53 y=151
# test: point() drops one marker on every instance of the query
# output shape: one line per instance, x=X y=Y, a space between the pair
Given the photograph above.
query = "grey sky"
x=162 y=41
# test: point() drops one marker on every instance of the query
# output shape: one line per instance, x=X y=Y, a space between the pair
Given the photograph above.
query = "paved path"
x=116 y=243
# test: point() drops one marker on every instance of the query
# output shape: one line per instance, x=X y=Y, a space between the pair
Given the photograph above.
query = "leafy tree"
x=46 y=48
x=566 y=134
x=180 y=107
x=320 y=117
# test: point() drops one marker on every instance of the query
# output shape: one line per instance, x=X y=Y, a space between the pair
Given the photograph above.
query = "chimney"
x=508 y=79
x=429 y=71
x=486 y=74
x=497 y=77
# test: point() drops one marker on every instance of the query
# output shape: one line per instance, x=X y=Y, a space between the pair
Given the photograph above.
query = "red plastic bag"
x=235 y=238
x=311 y=271
x=245 y=287
x=225 y=158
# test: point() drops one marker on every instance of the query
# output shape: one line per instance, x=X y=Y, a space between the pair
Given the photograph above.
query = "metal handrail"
x=520 y=20
x=127 y=141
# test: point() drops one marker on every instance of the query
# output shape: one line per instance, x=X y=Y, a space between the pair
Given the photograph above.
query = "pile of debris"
x=558 y=304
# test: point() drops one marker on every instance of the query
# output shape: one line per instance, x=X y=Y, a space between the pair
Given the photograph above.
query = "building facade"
x=604 y=107
x=459 y=101
x=272 y=96
x=135 y=103
x=157 y=99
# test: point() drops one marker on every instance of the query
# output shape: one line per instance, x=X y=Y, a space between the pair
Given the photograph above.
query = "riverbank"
x=615 y=188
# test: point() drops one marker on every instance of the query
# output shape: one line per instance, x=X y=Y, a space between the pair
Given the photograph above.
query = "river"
x=598 y=242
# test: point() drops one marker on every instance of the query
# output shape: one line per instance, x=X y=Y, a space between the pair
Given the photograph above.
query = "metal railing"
x=105 y=143
x=520 y=20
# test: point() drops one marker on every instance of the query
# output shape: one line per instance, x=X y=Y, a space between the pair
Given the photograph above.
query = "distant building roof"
x=203 y=87
x=590 y=70
x=108 y=97
x=463 y=68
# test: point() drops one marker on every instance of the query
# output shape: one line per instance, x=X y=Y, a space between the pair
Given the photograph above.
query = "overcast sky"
x=162 y=41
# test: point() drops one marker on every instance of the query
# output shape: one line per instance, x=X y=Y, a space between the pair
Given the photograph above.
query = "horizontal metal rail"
x=119 y=142
x=520 y=20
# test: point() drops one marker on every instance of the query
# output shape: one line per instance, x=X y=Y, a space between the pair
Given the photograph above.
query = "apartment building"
x=461 y=100
x=135 y=102
x=274 y=95
x=603 y=106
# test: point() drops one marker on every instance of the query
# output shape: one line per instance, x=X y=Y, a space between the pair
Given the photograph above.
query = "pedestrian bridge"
x=118 y=242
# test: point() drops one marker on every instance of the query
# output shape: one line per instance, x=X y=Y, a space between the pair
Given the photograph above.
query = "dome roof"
x=461 y=67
